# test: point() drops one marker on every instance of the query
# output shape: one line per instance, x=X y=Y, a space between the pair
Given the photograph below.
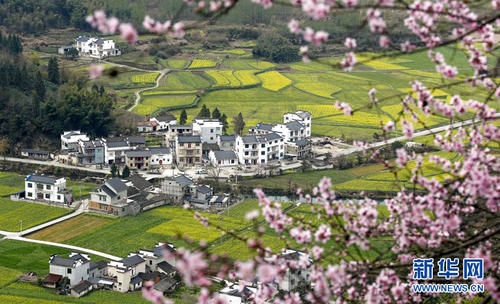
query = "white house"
x=48 y=189
x=223 y=158
x=164 y=121
x=70 y=139
x=126 y=271
x=110 y=198
x=291 y=131
x=226 y=142
x=114 y=150
x=208 y=129
x=146 y=126
x=304 y=117
x=155 y=257
x=75 y=268
x=96 y=47
x=294 y=277
x=233 y=294
x=259 y=149
x=161 y=156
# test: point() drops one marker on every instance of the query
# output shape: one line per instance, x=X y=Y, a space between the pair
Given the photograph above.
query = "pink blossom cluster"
x=343 y=107
x=177 y=29
x=110 y=25
x=317 y=38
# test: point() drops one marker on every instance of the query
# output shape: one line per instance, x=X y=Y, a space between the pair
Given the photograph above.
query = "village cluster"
x=78 y=275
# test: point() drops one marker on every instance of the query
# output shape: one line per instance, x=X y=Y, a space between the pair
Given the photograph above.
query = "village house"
x=294 y=278
x=291 y=131
x=188 y=150
x=81 y=289
x=90 y=152
x=303 y=117
x=47 y=189
x=146 y=126
x=161 y=157
x=207 y=129
x=259 y=149
x=110 y=198
x=70 y=139
x=114 y=150
x=226 y=142
x=261 y=128
x=136 y=142
x=138 y=159
x=163 y=122
x=177 y=130
x=126 y=271
x=233 y=294
x=157 y=261
x=96 y=47
x=301 y=148
x=35 y=154
x=75 y=267
x=223 y=158
x=176 y=188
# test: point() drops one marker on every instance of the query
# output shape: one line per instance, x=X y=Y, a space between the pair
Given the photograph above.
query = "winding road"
x=138 y=93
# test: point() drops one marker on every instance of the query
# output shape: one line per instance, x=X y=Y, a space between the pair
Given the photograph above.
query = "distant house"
x=207 y=129
x=69 y=140
x=146 y=126
x=91 y=152
x=259 y=149
x=161 y=156
x=110 y=198
x=35 y=154
x=188 y=150
x=138 y=159
x=62 y=50
x=114 y=150
x=75 y=268
x=96 y=47
x=156 y=260
x=81 y=289
x=177 y=188
x=177 y=130
x=301 y=148
x=52 y=280
x=223 y=158
x=98 y=269
x=136 y=142
x=126 y=271
x=233 y=294
x=47 y=189
x=261 y=128
x=303 y=117
x=226 y=142
x=294 y=278
x=163 y=122
x=166 y=285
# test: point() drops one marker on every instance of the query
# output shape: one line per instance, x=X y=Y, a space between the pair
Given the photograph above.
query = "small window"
x=197 y=144
x=29 y=194
x=30 y=185
x=47 y=196
x=211 y=130
x=69 y=270
x=150 y=262
x=58 y=197
x=48 y=187
x=263 y=153
x=263 y=145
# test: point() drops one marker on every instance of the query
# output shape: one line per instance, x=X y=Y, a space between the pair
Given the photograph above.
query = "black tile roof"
x=41 y=179
x=225 y=155
x=166 y=267
x=227 y=137
x=138 y=153
x=82 y=286
x=183 y=180
x=189 y=139
x=132 y=260
x=204 y=189
x=116 y=184
x=60 y=261
x=139 y=182
x=160 y=150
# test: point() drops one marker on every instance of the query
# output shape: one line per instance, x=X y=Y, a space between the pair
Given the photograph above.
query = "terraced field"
x=202 y=63
x=224 y=78
x=151 y=103
x=274 y=81
x=145 y=78
x=184 y=80
x=247 y=77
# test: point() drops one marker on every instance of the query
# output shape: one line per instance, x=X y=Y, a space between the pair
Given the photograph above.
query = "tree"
x=276 y=48
x=183 y=117
x=114 y=170
x=39 y=85
x=4 y=147
x=238 y=124
x=72 y=53
x=125 y=172
x=204 y=112
x=216 y=114
x=53 y=70
x=223 y=120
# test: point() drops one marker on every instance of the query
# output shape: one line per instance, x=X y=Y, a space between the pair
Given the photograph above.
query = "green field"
x=151 y=103
x=223 y=78
x=183 y=81
x=202 y=63
x=274 y=81
x=32 y=214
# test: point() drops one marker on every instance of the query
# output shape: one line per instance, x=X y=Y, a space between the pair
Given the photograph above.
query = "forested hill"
x=39 y=101
x=36 y=16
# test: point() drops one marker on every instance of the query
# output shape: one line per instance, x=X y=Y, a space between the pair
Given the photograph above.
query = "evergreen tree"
x=183 y=118
x=204 y=112
x=39 y=85
x=125 y=172
x=238 y=124
x=53 y=70
x=216 y=114
x=37 y=100
x=114 y=170
x=223 y=120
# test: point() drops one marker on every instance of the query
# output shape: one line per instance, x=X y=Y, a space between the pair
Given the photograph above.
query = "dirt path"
x=138 y=93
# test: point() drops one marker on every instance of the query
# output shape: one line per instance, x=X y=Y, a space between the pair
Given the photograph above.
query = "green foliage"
x=238 y=124
x=275 y=48
x=53 y=70
x=114 y=170
x=223 y=120
x=204 y=112
x=183 y=117
x=125 y=172
x=216 y=114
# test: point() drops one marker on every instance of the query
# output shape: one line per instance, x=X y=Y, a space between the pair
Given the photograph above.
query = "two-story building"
x=188 y=150
x=47 y=189
x=301 y=148
x=138 y=159
x=70 y=139
x=163 y=122
x=259 y=149
x=126 y=271
x=75 y=268
x=304 y=117
x=177 y=187
x=161 y=157
x=114 y=150
x=207 y=129
x=110 y=198
x=174 y=131
x=91 y=152
x=156 y=258
x=294 y=277
x=96 y=47
x=291 y=131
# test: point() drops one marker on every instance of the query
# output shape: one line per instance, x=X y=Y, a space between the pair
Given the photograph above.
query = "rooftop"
x=227 y=137
x=204 y=189
x=138 y=153
x=189 y=139
x=116 y=184
x=34 y=151
x=160 y=150
x=41 y=179
x=183 y=180
x=294 y=125
x=139 y=182
x=224 y=155
x=82 y=286
x=132 y=260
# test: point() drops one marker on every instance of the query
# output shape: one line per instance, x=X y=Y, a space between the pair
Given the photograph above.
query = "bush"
x=276 y=48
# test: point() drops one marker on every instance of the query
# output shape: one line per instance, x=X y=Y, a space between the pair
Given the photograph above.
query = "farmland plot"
x=274 y=81
x=202 y=63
